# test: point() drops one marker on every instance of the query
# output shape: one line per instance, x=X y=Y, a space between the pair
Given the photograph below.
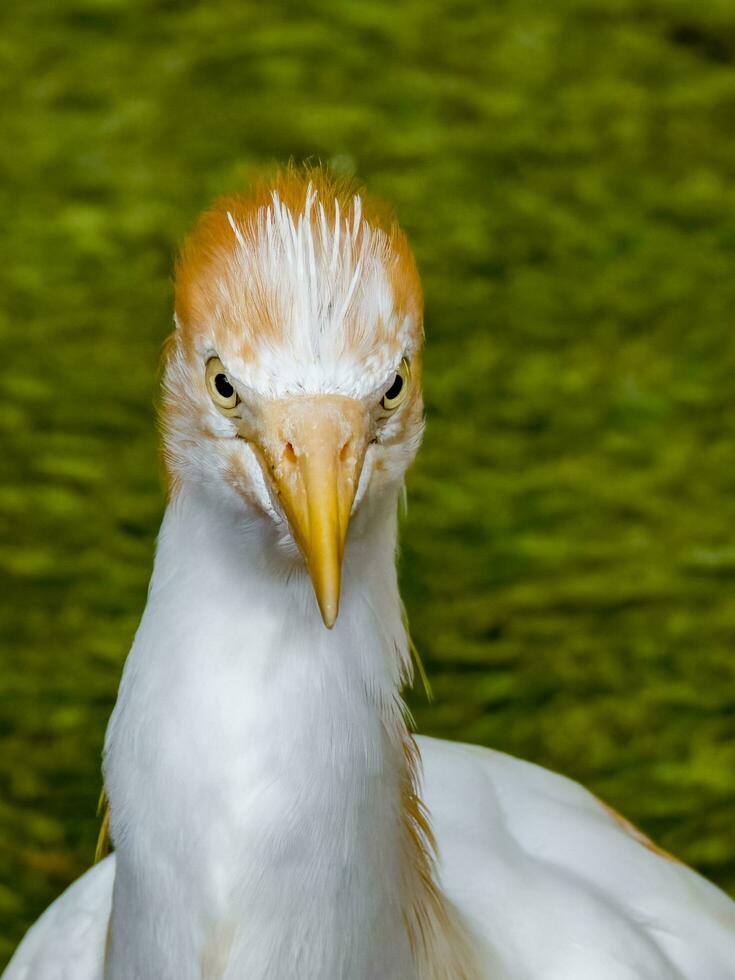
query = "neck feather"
x=261 y=776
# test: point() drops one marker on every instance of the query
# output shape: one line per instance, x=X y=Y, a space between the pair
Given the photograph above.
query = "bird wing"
x=68 y=941
x=557 y=886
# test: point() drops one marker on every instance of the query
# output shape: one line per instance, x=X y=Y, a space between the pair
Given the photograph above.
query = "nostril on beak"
x=289 y=453
x=345 y=451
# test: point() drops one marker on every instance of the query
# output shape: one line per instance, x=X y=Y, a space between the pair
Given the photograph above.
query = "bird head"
x=292 y=381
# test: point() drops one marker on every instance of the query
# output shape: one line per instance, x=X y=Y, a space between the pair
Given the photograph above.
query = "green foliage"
x=565 y=171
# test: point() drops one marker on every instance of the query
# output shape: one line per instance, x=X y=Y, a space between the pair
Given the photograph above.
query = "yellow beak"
x=314 y=447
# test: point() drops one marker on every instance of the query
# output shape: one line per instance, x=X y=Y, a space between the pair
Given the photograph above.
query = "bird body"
x=552 y=885
x=271 y=813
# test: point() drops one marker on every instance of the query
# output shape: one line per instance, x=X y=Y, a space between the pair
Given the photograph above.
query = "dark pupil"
x=223 y=386
x=395 y=389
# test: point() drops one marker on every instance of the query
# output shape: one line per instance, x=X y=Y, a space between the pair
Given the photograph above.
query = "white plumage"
x=557 y=889
x=264 y=790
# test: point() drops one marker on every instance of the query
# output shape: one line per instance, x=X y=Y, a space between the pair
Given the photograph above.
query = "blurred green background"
x=566 y=173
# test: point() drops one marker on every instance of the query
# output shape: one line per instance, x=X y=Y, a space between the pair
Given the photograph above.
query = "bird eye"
x=220 y=387
x=398 y=389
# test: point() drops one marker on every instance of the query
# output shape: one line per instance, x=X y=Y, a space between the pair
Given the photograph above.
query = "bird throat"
x=263 y=786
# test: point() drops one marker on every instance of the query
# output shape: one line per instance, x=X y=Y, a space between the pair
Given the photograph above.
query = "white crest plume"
x=327 y=284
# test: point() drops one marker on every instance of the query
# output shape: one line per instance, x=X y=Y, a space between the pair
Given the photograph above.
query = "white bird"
x=273 y=818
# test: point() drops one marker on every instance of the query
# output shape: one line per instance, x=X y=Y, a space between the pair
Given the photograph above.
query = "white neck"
x=256 y=764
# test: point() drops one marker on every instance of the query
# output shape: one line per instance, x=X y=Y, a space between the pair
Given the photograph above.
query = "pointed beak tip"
x=329 y=615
